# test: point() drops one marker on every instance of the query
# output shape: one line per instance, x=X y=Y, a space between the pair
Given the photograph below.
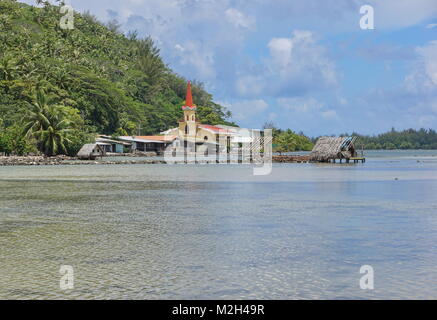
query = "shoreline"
x=65 y=160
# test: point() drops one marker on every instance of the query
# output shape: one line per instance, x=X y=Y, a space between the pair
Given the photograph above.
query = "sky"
x=305 y=65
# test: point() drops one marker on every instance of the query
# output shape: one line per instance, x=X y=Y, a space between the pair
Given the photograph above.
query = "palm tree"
x=48 y=124
x=8 y=69
x=151 y=65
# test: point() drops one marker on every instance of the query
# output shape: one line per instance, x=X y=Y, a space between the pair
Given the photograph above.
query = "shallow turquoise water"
x=217 y=231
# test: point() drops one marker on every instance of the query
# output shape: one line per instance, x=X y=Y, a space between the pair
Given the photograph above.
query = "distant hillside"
x=116 y=82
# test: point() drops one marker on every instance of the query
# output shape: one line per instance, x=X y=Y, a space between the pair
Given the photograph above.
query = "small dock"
x=349 y=160
x=358 y=159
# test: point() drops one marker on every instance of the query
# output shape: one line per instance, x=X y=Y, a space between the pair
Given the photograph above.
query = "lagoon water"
x=219 y=232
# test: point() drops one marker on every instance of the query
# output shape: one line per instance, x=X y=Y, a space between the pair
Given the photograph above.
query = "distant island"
x=406 y=139
x=287 y=140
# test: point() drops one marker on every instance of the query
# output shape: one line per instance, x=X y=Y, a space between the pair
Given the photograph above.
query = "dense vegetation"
x=287 y=140
x=92 y=79
x=406 y=139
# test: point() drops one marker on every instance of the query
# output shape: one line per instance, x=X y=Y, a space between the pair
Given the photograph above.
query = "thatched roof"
x=88 y=150
x=328 y=148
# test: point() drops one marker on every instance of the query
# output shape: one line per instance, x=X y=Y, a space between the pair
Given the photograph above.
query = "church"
x=191 y=133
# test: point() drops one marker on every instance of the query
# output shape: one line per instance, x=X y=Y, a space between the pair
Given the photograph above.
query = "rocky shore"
x=137 y=154
x=64 y=160
x=291 y=159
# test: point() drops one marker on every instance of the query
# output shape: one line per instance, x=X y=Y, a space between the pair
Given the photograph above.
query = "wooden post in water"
x=228 y=149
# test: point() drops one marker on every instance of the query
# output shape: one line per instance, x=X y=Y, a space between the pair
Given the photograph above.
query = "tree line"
x=288 y=141
x=405 y=139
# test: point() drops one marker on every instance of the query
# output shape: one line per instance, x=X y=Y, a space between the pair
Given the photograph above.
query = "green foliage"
x=6 y=143
x=12 y=141
x=116 y=83
x=406 y=139
x=288 y=141
x=75 y=140
x=49 y=125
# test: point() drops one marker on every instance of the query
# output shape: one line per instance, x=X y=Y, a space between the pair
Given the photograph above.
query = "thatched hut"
x=332 y=148
x=90 y=152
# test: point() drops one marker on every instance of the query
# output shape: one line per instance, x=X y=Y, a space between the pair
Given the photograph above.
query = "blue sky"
x=305 y=65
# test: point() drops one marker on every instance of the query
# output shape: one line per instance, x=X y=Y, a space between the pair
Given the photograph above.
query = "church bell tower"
x=188 y=126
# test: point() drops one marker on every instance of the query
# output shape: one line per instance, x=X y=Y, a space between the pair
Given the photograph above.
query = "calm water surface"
x=218 y=232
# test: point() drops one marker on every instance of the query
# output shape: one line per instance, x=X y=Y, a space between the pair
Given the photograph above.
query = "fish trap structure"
x=331 y=149
x=90 y=151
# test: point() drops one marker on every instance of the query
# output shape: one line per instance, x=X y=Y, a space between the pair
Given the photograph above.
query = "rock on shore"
x=64 y=160
x=291 y=159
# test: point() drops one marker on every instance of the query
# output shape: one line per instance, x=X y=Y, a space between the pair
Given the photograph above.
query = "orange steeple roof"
x=189 y=105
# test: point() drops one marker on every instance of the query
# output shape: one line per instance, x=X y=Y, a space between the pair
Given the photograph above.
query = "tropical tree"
x=8 y=68
x=48 y=124
x=6 y=143
x=288 y=141
x=285 y=142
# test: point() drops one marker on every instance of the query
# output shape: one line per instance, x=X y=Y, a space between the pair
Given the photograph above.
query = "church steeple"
x=189 y=105
x=188 y=126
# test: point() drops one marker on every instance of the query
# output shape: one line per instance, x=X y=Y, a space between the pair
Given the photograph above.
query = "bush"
x=76 y=141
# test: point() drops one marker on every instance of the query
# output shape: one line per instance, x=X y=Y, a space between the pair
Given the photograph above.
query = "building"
x=329 y=149
x=155 y=144
x=239 y=135
x=191 y=133
x=112 y=146
x=90 y=151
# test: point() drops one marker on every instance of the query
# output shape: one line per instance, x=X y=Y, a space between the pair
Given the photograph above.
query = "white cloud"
x=296 y=65
x=413 y=103
x=297 y=55
x=431 y=25
x=239 y=19
x=423 y=78
x=193 y=54
x=179 y=47
x=281 y=50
